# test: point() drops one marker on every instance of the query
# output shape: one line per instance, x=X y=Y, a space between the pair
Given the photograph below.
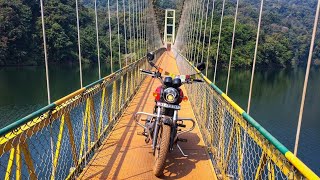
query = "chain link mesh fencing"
x=58 y=141
x=238 y=149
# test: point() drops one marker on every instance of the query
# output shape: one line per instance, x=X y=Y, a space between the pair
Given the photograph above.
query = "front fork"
x=173 y=129
x=172 y=122
x=156 y=129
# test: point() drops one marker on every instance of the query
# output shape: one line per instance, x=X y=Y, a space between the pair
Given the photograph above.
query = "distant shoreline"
x=222 y=67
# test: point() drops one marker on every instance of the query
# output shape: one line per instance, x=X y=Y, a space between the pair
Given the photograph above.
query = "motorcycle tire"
x=162 y=150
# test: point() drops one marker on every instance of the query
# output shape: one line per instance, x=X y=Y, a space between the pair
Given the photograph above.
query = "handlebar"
x=152 y=73
x=146 y=72
x=198 y=80
x=158 y=75
x=190 y=81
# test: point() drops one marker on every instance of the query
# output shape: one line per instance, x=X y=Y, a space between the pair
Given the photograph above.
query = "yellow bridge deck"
x=125 y=155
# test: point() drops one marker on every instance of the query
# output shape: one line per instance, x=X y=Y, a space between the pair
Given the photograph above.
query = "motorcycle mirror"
x=201 y=66
x=150 y=56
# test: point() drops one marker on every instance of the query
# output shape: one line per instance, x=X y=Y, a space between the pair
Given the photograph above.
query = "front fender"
x=167 y=121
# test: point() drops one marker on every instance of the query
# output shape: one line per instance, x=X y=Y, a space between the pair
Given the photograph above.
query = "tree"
x=15 y=32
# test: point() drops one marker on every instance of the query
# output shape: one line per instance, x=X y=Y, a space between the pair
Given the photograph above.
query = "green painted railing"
x=240 y=146
x=59 y=140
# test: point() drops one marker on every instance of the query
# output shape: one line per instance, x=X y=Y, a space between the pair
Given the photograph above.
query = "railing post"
x=71 y=139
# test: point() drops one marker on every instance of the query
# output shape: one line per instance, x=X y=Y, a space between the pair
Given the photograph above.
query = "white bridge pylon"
x=169 y=29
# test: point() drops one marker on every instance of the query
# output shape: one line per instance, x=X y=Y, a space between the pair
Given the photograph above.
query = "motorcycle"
x=162 y=125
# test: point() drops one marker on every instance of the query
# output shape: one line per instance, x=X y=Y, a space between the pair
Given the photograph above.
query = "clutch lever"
x=147 y=72
x=198 y=80
x=190 y=81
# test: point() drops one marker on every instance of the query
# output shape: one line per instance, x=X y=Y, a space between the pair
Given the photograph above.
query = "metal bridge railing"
x=241 y=148
x=59 y=140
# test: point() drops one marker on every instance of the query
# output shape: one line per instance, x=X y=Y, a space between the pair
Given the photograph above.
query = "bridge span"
x=125 y=155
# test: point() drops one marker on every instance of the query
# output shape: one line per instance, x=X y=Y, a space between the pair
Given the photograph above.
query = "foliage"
x=284 y=38
x=21 y=32
x=15 y=28
x=161 y=5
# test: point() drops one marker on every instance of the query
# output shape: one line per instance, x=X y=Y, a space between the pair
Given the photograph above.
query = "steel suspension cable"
x=193 y=30
x=201 y=24
x=196 y=34
x=140 y=28
x=79 y=43
x=45 y=51
x=187 y=32
x=145 y=25
x=148 y=28
x=253 y=70
x=150 y=32
x=137 y=29
x=189 y=42
x=255 y=57
x=181 y=23
x=198 y=31
x=133 y=30
x=232 y=44
x=143 y=28
x=154 y=28
x=181 y=35
x=205 y=29
x=130 y=34
x=110 y=37
x=182 y=31
x=147 y=14
x=97 y=36
x=119 y=46
x=210 y=34
x=305 y=84
x=47 y=76
x=219 y=38
x=125 y=30
x=190 y=29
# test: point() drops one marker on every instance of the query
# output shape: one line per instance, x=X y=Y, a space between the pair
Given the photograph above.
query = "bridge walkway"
x=125 y=155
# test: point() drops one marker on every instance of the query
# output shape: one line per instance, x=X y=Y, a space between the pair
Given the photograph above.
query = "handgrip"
x=146 y=72
x=197 y=80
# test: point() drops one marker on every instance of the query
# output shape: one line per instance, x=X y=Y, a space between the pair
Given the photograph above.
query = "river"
x=275 y=100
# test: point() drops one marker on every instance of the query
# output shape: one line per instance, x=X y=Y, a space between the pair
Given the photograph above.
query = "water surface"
x=276 y=98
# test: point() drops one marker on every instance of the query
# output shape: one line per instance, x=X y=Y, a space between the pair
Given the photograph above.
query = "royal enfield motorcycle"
x=163 y=125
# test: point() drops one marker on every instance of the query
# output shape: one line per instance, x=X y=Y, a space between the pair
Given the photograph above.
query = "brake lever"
x=157 y=74
x=190 y=81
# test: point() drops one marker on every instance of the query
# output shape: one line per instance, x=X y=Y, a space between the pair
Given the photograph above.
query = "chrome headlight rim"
x=171 y=95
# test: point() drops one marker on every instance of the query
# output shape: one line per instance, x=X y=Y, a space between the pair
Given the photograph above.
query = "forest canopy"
x=284 y=41
x=21 y=34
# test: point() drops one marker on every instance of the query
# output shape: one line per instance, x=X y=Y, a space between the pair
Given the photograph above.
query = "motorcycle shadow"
x=178 y=166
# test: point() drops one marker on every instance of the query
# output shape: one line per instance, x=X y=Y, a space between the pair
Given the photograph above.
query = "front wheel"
x=162 y=149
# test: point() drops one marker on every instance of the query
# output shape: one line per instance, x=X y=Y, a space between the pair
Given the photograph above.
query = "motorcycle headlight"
x=171 y=95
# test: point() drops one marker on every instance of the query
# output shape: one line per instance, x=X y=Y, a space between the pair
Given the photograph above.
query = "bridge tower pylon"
x=169 y=29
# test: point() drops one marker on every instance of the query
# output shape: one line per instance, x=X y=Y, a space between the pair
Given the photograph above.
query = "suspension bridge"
x=91 y=133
